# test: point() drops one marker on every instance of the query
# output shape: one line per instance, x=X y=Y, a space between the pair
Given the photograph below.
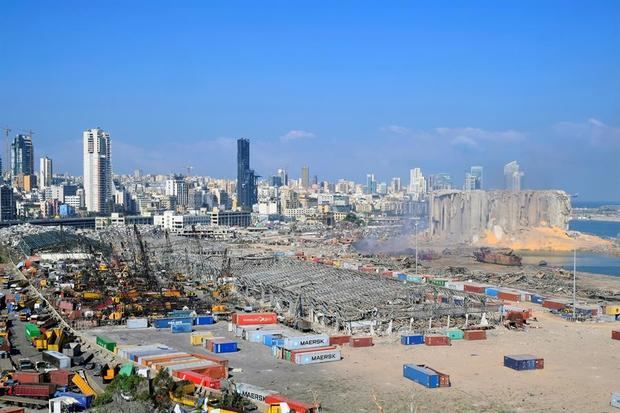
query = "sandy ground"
x=582 y=368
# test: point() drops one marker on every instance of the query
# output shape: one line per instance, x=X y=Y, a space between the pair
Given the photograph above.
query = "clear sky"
x=345 y=87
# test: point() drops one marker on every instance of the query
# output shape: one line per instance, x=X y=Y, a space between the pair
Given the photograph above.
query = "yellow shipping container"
x=612 y=309
x=197 y=338
x=218 y=308
x=91 y=295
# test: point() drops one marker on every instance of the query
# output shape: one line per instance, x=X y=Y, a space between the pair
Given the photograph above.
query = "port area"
x=582 y=366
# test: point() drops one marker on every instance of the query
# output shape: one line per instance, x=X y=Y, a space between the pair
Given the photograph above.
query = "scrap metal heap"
x=345 y=299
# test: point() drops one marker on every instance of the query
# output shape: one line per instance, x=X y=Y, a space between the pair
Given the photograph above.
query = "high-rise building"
x=371 y=184
x=512 y=176
x=246 y=179
x=417 y=182
x=473 y=179
x=440 y=181
x=22 y=156
x=7 y=203
x=178 y=188
x=395 y=186
x=305 y=177
x=98 y=183
x=45 y=172
x=283 y=175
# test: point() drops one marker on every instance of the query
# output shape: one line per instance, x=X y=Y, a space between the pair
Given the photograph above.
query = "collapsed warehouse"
x=345 y=299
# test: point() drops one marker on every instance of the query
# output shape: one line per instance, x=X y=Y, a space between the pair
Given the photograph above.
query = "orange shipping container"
x=219 y=360
x=243 y=319
x=475 y=335
x=164 y=359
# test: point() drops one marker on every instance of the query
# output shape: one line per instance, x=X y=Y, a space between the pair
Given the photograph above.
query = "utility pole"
x=416 y=248
x=574 y=283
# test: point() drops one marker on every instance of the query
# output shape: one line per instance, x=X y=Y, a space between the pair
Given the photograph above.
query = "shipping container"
x=198 y=379
x=612 y=309
x=57 y=359
x=475 y=335
x=25 y=376
x=253 y=392
x=294 y=405
x=246 y=319
x=414 y=279
x=540 y=364
x=225 y=346
x=137 y=323
x=454 y=333
x=436 y=340
x=421 y=375
x=615 y=334
x=256 y=336
x=520 y=362
x=509 y=295
x=555 y=303
x=83 y=401
x=181 y=328
x=455 y=285
x=106 y=343
x=150 y=360
x=411 y=339
x=271 y=339
x=317 y=340
x=361 y=342
x=43 y=391
x=537 y=299
x=491 y=291
x=317 y=356
x=31 y=331
x=203 y=320
x=402 y=277
x=339 y=340
x=12 y=409
x=471 y=287
x=61 y=377
x=438 y=281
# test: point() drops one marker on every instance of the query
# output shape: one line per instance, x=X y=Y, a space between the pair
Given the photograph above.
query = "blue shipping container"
x=421 y=375
x=492 y=292
x=537 y=299
x=412 y=339
x=203 y=320
x=161 y=323
x=83 y=401
x=224 y=346
x=402 y=277
x=181 y=328
x=520 y=362
x=270 y=339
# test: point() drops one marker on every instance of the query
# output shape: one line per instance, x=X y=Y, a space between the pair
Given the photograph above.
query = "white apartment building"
x=97 y=171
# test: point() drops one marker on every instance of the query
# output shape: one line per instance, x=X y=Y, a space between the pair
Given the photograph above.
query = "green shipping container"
x=106 y=343
x=126 y=370
x=438 y=281
x=454 y=333
x=32 y=331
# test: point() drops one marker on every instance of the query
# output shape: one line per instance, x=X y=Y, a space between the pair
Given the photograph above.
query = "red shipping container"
x=475 y=335
x=198 y=379
x=554 y=304
x=215 y=372
x=249 y=319
x=28 y=377
x=540 y=363
x=294 y=405
x=361 y=342
x=61 y=377
x=219 y=360
x=474 y=288
x=615 y=334
x=509 y=296
x=33 y=390
x=436 y=340
x=12 y=409
x=339 y=340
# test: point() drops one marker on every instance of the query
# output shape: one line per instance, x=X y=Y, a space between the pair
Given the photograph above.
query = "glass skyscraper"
x=246 y=179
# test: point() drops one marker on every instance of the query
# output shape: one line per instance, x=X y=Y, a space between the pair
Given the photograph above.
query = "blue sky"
x=347 y=88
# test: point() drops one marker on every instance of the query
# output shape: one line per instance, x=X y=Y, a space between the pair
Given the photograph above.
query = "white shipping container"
x=317 y=340
x=459 y=286
x=253 y=392
x=317 y=357
x=57 y=359
x=137 y=323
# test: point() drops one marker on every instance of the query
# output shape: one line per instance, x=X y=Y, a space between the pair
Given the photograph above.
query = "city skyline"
x=332 y=105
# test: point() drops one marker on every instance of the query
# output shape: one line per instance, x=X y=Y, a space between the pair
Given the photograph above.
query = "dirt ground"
x=582 y=370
